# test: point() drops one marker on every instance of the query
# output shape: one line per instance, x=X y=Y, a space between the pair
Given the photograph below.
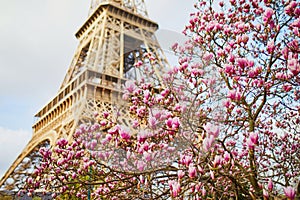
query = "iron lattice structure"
x=115 y=35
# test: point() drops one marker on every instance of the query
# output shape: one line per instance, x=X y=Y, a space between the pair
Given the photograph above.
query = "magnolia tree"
x=223 y=124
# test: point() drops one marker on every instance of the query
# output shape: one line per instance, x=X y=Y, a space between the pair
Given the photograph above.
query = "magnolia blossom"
x=207 y=142
x=234 y=95
x=268 y=14
x=180 y=174
x=207 y=56
x=175 y=188
x=141 y=165
x=62 y=142
x=290 y=192
x=270 y=185
x=138 y=63
x=192 y=171
x=212 y=129
x=293 y=66
x=270 y=46
x=130 y=86
x=125 y=133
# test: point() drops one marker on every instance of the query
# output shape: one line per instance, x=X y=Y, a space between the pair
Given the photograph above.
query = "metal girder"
x=134 y=6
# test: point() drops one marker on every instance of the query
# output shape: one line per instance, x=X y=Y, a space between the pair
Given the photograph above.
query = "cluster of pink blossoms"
x=222 y=124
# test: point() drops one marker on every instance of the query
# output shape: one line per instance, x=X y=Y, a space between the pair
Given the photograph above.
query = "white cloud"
x=37 y=44
x=171 y=14
x=12 y=142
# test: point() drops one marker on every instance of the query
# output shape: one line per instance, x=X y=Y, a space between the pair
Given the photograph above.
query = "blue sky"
x=37 y=43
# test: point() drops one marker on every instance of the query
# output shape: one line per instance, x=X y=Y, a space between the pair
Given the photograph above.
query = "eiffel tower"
x=116 y=35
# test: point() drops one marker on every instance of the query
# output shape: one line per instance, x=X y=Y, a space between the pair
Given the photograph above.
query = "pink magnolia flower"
x=212 y=129
x=250 y=144
x=265 y=194
x=180 y=174
x=74 y=175
x=217 y=161
x=103 y=123
x=125 y=134
x=138 y=63
x=165 y=92
x=270 y=185
x=141 y=111
x=114 y=130
x=173 y=123
x=227 y=103
x=192 y=171
x=59 y=163
x=268 y=14
x=95 y=126
x=174 y=46
x=29 y=180
x=212 y=175
x=105 y=114
x=296 y=31
x=207 y=56
x=293 y=66
x=96 y=114
x=289 y=192
x=245 y=38
x=183 y=66
x=229 y=69
x=130 y=86
x=242 y=62
x=141 y=165
x=142 y=179
x=231 y=94
x=197 y=72
x=287 y=87
x=142 y=136
x=146 y=96
x=182 y=60
x=251 y=73
x=293 y=45
x=144 y=147
x=296 y=23
x=234 y=95
x=226 y=156
x=135 y=123
x=280 y=75
x=186 y=160
x=290 y=8
x=227 y=30
x=221 y=53
x=207 y=143
x=174 y=188
x=270 y=47
x=203 y=192
x=93 y=144
x=254 y=137
x=285 y=52
x=152 y=122
x=108 y=137
x=62 y=142
x=147 y=156
x=46 y=153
